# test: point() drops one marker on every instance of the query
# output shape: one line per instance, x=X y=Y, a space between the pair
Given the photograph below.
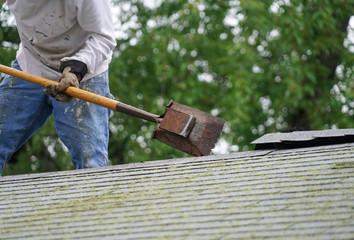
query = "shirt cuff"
x=77 y=67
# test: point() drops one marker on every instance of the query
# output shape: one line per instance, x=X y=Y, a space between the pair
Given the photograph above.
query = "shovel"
x=184 y=128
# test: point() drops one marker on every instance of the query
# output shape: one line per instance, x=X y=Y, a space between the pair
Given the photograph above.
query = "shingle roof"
x=305 y=193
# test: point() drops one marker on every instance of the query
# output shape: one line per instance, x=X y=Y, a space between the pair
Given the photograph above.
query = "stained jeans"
x=82 y=126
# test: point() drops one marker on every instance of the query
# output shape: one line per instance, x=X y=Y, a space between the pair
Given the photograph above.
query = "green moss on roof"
x=298 y=193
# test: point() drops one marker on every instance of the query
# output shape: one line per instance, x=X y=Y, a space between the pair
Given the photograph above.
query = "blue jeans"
x=82 y=126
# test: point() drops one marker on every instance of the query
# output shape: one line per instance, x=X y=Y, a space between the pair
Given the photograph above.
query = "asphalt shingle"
x=304 y=193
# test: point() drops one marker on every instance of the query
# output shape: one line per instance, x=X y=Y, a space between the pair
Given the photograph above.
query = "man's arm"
x=94 y=17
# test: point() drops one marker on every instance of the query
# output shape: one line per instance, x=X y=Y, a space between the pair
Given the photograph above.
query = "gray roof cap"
x=304 y=139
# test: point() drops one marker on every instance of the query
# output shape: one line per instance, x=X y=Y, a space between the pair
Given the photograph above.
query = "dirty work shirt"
x=52 y=32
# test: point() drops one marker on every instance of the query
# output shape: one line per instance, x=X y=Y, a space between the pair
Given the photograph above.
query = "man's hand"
x=57 y=91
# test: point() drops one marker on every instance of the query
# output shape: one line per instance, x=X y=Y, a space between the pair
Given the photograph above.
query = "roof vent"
x=301 y=139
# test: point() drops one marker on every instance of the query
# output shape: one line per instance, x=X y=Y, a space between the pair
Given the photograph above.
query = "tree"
x=263 y=66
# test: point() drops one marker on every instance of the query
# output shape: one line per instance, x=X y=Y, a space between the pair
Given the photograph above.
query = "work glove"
x=57 y=91
x=72 y=72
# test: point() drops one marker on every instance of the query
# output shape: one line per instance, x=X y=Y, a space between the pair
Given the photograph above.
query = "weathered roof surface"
x=305 y=193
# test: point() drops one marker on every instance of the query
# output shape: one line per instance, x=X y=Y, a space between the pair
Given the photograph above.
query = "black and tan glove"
x=72 y=73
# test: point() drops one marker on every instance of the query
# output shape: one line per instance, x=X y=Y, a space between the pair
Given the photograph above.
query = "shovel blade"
x=203 y=129
x=177 y=122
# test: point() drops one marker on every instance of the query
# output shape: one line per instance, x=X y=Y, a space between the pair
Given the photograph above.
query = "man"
x=70 y=41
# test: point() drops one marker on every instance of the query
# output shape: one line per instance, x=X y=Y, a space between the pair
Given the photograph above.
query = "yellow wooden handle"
x=72 y=91
x=84 y=95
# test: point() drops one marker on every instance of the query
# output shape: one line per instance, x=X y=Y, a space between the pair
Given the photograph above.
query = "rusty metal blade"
x=201 y=138
x=177 y=122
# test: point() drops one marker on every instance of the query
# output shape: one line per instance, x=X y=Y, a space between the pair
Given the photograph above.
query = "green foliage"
x=272 y=70
x=264 y=66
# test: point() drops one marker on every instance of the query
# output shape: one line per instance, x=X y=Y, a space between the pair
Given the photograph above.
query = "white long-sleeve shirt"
x=54 y=31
